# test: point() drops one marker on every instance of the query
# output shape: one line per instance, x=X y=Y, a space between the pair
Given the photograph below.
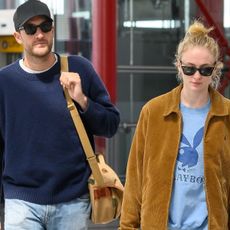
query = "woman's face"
x=201 y=58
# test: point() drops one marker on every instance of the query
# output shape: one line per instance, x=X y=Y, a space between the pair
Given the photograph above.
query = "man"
x=45 y=171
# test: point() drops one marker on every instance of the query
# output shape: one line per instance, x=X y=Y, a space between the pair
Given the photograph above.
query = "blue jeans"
x=22 y=215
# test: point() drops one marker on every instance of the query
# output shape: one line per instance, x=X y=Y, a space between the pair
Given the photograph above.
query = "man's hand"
x=72 y=82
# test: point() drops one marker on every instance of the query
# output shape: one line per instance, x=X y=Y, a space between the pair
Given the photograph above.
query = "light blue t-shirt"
x=188 y=209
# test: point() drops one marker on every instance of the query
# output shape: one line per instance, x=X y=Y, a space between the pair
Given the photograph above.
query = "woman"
x=178 y=173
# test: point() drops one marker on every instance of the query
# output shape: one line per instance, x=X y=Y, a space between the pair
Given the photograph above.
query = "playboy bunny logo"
x=188 y=155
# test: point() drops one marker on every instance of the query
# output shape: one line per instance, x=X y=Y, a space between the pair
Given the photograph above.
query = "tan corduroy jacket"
x=152 y=159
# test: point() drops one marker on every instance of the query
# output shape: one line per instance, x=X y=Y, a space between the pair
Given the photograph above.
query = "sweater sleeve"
x=1 y=148
x=1 y=168
x=131 y=208
x=101 y=117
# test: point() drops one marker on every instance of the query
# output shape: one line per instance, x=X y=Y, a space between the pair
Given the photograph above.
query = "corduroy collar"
x=218 y=102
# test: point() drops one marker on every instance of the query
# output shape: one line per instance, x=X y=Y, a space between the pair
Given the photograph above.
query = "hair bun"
x=197 y=29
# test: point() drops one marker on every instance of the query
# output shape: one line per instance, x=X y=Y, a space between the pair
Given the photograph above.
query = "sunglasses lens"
x=188 y=70
x=206 y=71
x=30 y=29
x=46 y=26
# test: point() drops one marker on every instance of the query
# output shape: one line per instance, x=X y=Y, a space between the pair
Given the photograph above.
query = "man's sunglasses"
x=31 y=29
x=191 y=70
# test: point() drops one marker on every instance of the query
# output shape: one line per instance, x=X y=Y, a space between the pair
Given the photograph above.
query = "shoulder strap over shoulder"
x=91 y=157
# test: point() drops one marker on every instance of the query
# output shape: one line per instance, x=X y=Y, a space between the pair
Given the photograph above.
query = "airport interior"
x=132 y=45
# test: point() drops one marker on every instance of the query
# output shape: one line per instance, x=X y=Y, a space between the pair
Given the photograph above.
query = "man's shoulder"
x=9 y=66
x=8 y=69
x=80 y=64
x=78 y=59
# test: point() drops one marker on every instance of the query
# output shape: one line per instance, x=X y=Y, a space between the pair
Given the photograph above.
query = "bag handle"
x=90 y=155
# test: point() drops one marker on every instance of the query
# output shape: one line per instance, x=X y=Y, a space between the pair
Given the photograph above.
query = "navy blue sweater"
x=43 y=160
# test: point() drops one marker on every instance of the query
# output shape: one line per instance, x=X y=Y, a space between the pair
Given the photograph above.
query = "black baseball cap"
x=28 y=10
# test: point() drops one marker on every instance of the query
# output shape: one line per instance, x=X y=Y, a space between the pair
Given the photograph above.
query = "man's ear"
x=18 y=37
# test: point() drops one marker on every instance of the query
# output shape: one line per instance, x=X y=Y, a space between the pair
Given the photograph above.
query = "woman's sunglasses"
x=31 y=29
x=191 y=70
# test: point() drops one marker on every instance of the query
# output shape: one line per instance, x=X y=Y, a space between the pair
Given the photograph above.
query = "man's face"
x=36 y=37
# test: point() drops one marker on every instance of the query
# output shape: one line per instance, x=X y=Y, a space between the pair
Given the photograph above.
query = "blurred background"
x=131 y=43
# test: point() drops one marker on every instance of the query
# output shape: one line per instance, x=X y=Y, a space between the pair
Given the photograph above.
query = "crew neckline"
x=28 y=70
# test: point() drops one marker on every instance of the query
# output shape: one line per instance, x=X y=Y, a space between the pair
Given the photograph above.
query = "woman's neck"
x=194 y=100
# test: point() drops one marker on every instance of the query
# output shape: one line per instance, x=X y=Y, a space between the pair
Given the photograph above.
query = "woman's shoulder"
x=164 y=100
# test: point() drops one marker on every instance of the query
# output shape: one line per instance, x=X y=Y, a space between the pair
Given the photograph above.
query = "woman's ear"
x=178 y=64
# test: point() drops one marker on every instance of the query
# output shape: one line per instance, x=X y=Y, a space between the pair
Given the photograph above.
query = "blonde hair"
x=198 y=35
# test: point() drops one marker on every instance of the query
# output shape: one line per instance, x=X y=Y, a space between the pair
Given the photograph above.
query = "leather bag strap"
x=91 y=157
